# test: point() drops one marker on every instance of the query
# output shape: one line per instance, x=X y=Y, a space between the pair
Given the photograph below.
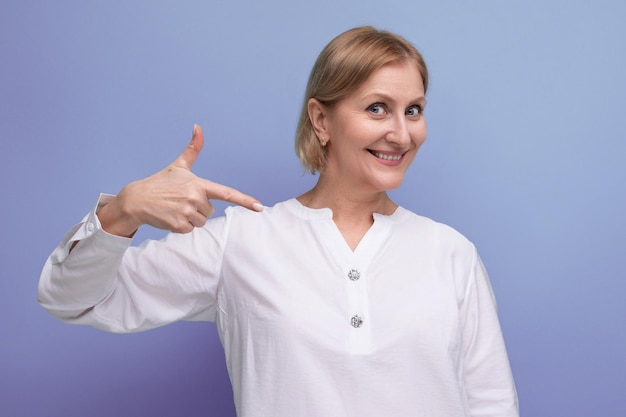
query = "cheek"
x=352 y=137
x=419 y=134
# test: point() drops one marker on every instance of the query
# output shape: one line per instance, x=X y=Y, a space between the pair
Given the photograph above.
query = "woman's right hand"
x=173 y=199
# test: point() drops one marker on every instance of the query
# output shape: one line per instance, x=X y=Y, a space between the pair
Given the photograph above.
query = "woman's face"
x=374 y=133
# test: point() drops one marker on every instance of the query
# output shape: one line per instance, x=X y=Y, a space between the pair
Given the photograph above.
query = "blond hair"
x=342 y=66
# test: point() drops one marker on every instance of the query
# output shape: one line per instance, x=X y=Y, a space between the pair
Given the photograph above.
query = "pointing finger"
x=221 y=192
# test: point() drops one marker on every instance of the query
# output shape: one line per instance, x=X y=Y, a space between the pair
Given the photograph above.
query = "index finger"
x=215 y=191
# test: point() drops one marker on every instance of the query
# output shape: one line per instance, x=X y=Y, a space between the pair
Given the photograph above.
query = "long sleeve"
x=427 y=341
x=108 y=284
x=487 y=374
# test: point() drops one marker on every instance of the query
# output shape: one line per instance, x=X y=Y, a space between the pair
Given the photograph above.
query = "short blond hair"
x=342 y=66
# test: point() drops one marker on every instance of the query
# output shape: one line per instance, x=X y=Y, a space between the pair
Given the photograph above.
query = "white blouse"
x=405 y=325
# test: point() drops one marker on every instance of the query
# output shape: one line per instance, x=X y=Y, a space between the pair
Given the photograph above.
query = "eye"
x=415 y=110
x=376 y=108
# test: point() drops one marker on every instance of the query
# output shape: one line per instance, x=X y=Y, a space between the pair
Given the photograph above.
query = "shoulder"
x=423 y=227
x=277 y=211
x=253 y=233
x=448 y=251
x=279 y=217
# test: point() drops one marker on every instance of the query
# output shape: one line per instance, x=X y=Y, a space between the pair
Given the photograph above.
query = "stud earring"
x=323 y=142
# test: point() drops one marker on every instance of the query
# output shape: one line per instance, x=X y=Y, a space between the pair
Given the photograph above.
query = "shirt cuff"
x=91 y=228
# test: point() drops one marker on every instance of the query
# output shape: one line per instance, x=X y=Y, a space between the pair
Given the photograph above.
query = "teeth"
x=387 y=157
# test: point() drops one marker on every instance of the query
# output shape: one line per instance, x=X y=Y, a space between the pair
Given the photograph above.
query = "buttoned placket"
x=352 y=269
x=359 y=330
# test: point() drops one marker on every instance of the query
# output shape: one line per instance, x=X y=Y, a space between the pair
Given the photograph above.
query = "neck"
x=352 y=210
x=347 y=203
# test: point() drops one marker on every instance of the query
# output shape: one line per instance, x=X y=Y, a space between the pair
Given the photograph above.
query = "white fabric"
x=276 y=283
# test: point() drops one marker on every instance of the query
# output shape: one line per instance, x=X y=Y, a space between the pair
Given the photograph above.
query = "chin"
x=390 y=184
x=394 y=186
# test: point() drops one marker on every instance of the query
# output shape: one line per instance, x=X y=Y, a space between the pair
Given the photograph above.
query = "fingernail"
x=257 y=206
x=195 y=129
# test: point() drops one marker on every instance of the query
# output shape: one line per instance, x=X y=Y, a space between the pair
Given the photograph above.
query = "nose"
x=398 y=133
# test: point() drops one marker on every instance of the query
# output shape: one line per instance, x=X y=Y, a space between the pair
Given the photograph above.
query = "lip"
x=387 y=158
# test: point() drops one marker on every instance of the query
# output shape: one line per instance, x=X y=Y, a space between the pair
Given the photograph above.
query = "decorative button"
x=90 y=227
x=354 y=274
x=356 y=321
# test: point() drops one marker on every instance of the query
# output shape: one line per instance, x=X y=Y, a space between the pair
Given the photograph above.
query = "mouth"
x=395 y=156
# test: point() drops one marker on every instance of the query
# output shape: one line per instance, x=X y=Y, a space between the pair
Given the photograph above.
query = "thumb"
x=188 y=157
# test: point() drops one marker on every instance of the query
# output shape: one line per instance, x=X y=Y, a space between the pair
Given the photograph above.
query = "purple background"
x=526 y=156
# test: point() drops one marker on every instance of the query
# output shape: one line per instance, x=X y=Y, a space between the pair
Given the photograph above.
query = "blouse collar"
x=327 y=214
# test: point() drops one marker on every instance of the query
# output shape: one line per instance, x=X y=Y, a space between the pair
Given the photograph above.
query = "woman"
x=334 y=303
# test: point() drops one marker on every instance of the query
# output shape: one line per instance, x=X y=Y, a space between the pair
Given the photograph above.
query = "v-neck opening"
x=370 y=241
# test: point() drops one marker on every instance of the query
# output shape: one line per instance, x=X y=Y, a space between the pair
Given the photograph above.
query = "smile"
x=386 y=157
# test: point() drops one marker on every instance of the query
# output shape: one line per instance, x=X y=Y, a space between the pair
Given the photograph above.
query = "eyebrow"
x=387 y=97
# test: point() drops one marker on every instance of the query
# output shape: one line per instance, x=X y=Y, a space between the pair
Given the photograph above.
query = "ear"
x=318 y=115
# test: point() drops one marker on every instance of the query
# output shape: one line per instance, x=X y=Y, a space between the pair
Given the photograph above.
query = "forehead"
x=403 y=78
